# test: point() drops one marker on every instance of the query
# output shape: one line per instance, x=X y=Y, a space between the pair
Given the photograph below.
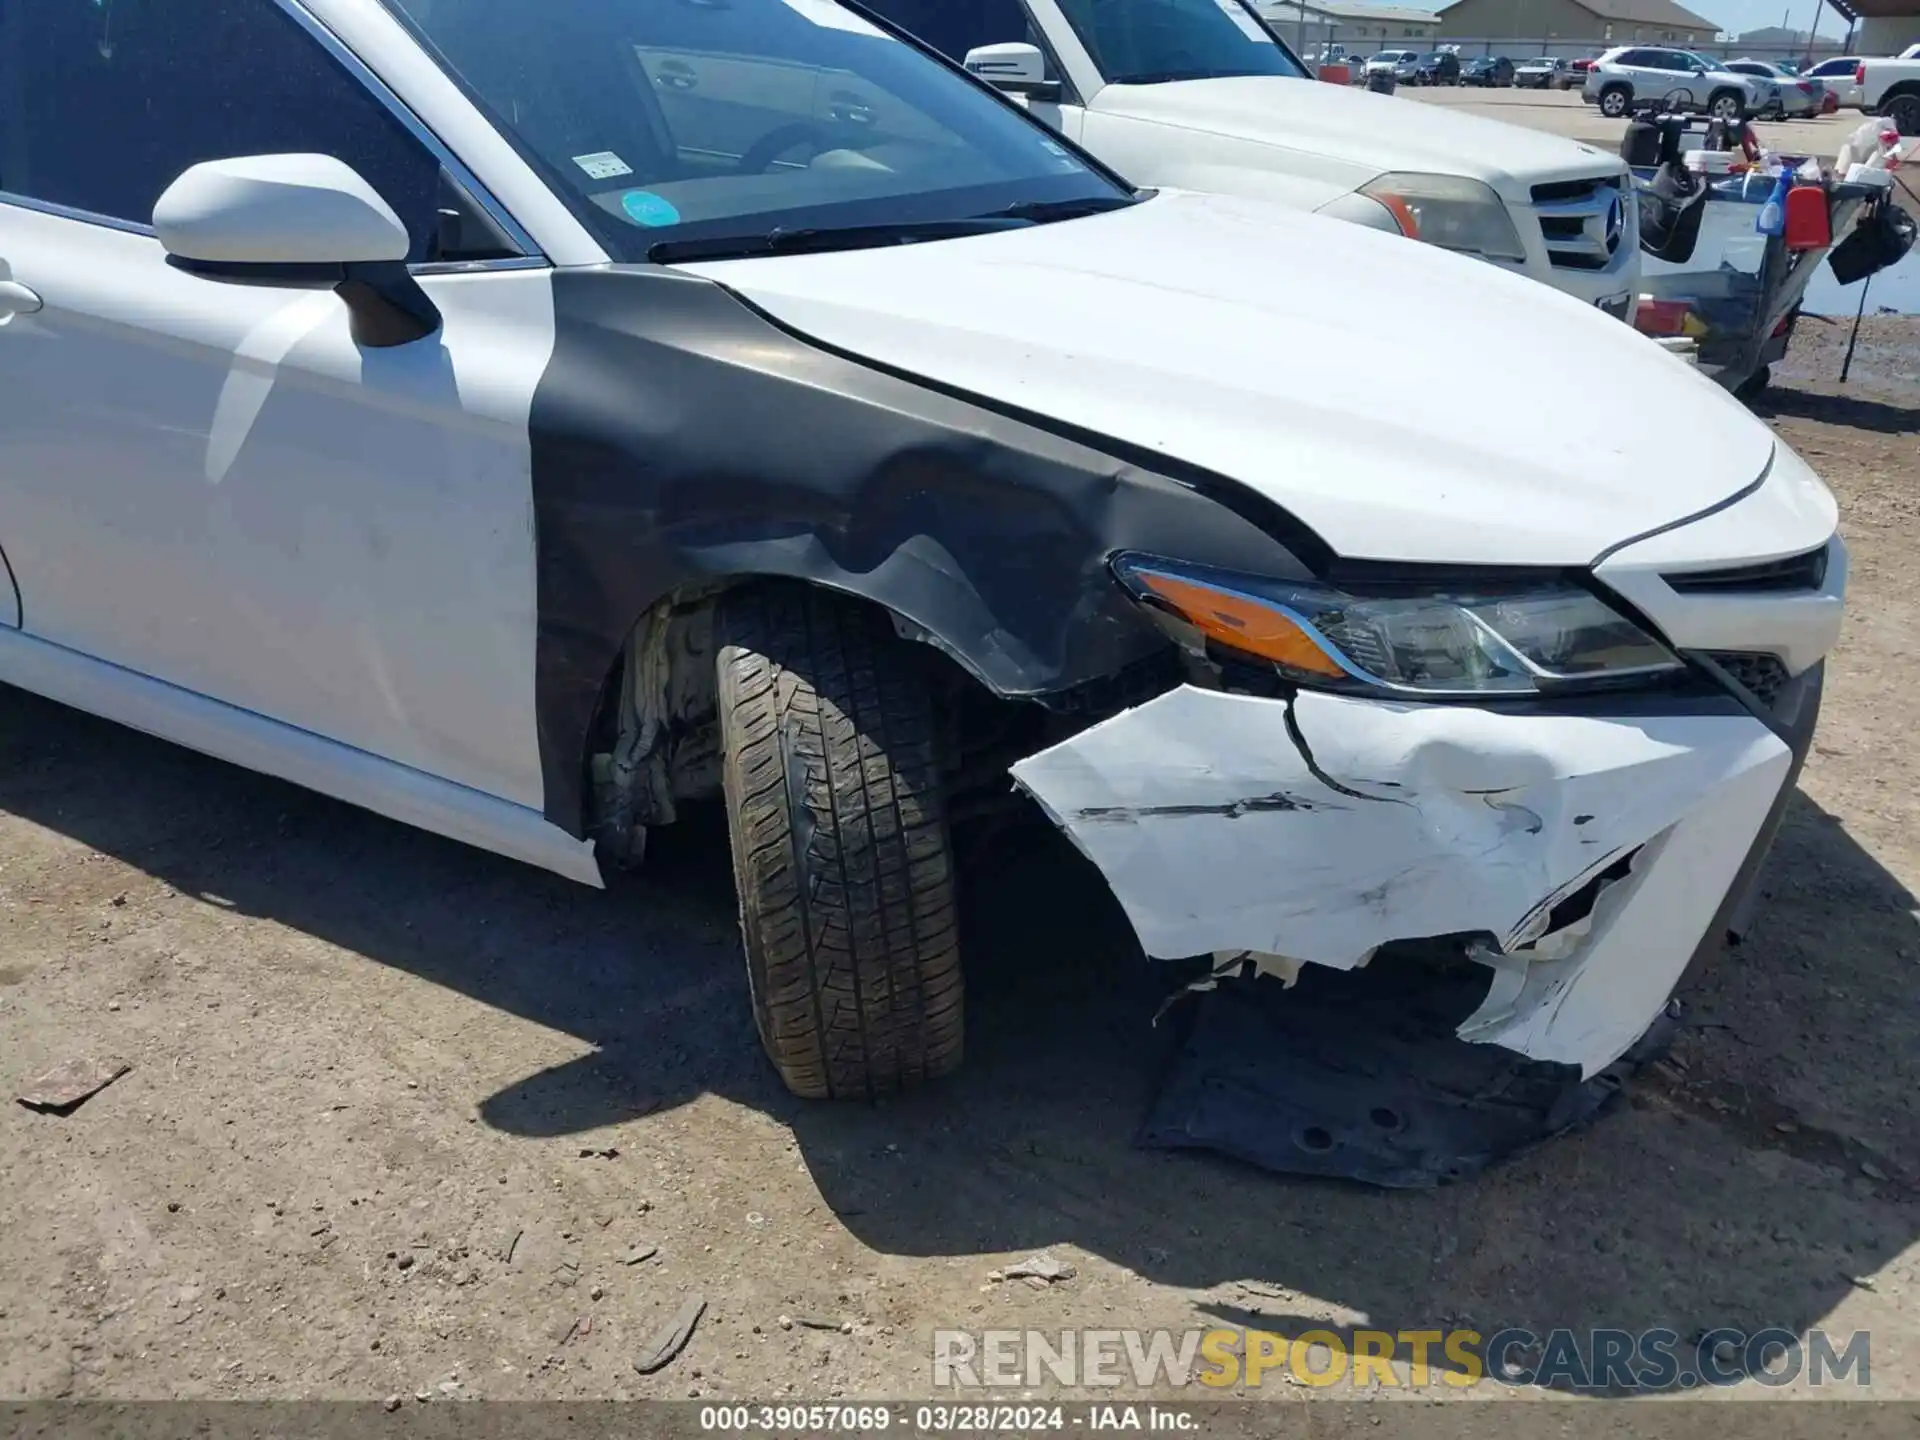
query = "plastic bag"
x=1881 y=239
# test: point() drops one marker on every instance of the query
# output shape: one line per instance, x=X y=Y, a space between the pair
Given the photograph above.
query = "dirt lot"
x=401 y=1112
x=1564 y=113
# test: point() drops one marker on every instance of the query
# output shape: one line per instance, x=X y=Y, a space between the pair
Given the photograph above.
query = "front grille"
x=1556 y=190
x=1583 y=222
x=1764 y=675
x=1769 y=577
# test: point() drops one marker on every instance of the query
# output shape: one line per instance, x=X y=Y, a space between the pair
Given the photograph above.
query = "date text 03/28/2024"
x=942 y=1418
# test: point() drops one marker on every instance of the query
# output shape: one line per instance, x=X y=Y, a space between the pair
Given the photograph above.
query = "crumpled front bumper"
x=1582 y=855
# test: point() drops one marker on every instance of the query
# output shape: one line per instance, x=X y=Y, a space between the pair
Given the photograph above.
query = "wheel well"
x=654 y=741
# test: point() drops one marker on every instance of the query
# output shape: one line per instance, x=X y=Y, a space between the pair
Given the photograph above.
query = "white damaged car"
x=443 y=422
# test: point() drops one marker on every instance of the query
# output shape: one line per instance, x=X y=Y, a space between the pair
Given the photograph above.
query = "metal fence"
x=1823 y=49
x=1311 y=45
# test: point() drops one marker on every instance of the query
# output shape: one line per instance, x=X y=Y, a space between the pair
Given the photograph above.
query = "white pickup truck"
x=1892 y=88
x=1201 y=95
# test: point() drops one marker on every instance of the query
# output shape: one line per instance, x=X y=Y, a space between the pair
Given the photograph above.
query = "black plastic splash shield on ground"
x=1359 y=1075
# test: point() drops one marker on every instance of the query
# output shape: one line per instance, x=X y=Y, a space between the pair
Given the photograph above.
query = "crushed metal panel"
x=1323 y=827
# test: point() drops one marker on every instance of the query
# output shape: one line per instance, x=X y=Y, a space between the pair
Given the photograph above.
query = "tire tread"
x=840 y=846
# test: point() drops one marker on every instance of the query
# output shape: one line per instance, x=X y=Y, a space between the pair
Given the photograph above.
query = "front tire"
x=1904 y=111
x=1615 y=101
x=841 y=853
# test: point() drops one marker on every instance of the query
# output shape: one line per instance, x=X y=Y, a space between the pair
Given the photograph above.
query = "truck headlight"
x=1450 y=211
x=1476 y=641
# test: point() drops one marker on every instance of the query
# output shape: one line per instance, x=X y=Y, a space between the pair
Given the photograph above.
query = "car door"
x=1838 y=75
x=1663 y=74
x=210 y=484
x=1644 y=72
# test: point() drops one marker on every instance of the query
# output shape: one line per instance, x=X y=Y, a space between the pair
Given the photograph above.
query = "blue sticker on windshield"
x=643 y=207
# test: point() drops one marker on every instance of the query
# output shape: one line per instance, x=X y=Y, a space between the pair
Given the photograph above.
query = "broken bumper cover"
x=1582 y=857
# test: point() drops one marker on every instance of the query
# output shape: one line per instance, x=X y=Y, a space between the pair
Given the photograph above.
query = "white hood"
x=1378 y=132
x=1403 y=402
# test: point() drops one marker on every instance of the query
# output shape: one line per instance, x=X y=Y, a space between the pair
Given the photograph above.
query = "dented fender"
x=1318 y=828
x=682 y=439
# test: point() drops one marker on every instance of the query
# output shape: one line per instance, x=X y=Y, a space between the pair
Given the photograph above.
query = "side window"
x=953 y=27
x=106 y=102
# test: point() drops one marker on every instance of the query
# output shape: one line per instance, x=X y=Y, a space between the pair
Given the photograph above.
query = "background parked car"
x=1892 y=88
x=1796 y=96
x=1495 y=70
x=1440 y=68
x=1840 y=77
x=1577 y=69
x=1548 y=72
x=1401 y=64
x=1630 y=74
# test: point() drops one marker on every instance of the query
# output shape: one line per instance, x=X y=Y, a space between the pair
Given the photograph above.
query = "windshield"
x=1148 y=42
x=710 y=118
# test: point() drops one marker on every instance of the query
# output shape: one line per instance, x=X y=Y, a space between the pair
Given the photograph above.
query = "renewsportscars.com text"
x=1599 y=1361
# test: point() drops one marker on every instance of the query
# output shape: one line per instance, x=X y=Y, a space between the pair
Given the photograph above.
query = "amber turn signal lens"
x=1240 y=623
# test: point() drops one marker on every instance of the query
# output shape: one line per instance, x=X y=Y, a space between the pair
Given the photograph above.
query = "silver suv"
x=1403 y=65
x=1636 y=74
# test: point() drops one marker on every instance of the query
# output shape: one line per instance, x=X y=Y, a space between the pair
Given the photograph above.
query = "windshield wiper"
x=1163 y=77
x=782 y=241
x=1041 y=212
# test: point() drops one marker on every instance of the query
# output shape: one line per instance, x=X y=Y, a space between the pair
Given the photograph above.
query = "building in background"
x=1314 y=23
x=1595 y=23
x=1880 y=27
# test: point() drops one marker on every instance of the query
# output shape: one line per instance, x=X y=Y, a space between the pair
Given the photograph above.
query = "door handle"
x=16 y=299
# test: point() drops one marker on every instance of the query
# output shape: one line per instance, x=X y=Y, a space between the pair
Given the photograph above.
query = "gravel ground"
x=403 y=1117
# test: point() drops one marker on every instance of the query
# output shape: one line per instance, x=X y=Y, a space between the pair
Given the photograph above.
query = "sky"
x=1737 y=16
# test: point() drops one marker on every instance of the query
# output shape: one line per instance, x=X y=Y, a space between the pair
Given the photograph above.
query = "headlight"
x=1480 y=641
x=1450 y=211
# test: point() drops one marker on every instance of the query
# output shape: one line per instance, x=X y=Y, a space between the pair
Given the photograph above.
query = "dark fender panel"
x=678 y=434
x=10 y=608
